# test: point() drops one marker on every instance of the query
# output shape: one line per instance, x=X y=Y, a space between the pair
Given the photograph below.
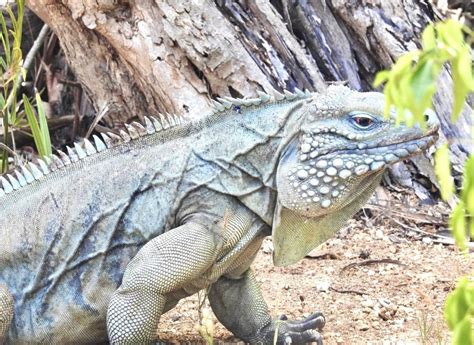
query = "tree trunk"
x=140 y=57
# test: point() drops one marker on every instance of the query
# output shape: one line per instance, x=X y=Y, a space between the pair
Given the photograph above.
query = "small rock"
x=384 y=302
x=387 y=313
x=374 y=315
x=406 y=310
x=379 y=234
x=368 y=303
x=175 y=318
x=267 y=247
x=343 y=233
x=427 y=240
x=364 y=327
x=323 y=286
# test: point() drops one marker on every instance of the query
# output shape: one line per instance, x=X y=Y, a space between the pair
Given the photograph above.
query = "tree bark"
x=139 y=57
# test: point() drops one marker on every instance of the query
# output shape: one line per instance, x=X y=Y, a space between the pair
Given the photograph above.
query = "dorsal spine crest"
x=30 y=172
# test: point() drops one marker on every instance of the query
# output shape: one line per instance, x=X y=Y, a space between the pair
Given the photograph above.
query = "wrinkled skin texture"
x=99 y=249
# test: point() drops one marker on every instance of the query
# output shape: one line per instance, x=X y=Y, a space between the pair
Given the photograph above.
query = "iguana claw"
x=293 y=332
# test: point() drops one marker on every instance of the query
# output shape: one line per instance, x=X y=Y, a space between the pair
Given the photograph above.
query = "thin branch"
x=29 y=60
x=372 y=262
x=105 y=110
x=417 y=230
x=34 y=49
x=360 y=293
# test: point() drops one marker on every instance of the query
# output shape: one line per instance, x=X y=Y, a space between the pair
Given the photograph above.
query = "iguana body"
x=122 y=234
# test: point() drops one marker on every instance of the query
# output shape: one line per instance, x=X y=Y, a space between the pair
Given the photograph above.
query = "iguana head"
x=339 y=148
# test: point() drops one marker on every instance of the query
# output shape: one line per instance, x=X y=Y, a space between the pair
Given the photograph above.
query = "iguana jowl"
x=98 y=243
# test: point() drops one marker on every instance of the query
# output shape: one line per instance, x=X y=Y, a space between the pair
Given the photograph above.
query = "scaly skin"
x=100 y=248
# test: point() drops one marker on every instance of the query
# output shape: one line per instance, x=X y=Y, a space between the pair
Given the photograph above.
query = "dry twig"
x=372 y=262
x=360 y=293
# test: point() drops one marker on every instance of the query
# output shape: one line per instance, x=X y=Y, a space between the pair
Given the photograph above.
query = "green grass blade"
x=43 y=123
x=5 y=38
x=35 y=129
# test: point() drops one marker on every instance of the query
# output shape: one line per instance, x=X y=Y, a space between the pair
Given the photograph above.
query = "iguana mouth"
x=377 y=156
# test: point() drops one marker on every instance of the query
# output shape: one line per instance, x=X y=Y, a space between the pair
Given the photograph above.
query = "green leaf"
x=469 y=296
x=471 y=228
x=467 y=189
x=5 y=38
x=423 y=86
x=450 y=33
x=428 y=37
x=456 y=305
x=443 y=172
x=3 y=65
x=33 y=123
x=460 y=88
x=457 y=223
x=462 y=333
x=43 y=123
x=465 y=68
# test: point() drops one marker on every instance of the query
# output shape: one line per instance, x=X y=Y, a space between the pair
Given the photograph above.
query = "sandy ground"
x=378 y=281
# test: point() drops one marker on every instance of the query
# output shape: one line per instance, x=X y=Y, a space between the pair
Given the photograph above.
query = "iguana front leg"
x=6 y=312
x=240 y=307
x=163 y=265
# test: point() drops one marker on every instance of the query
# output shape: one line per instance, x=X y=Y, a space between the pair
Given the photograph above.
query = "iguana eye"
x=362 y=121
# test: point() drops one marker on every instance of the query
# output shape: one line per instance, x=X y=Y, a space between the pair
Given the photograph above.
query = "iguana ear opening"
x=294 y=235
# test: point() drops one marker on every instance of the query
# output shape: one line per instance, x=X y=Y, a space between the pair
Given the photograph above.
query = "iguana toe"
x=314 y=321
x=293 y=332
x=306 y=337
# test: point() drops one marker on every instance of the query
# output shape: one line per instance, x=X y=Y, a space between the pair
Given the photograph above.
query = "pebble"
x=323 y=286
x=387 y=313
x=364 y=327
x=379 y=234
x=427 y=240
x=368 y=303
x=384 y=302
x=267 y=247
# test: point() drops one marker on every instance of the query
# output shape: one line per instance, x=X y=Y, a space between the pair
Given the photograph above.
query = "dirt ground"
x=382 y=279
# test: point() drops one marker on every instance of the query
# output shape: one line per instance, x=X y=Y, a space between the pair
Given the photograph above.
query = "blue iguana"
x=97 y=243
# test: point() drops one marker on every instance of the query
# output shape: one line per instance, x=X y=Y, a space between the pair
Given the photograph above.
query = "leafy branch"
x=409 y=88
